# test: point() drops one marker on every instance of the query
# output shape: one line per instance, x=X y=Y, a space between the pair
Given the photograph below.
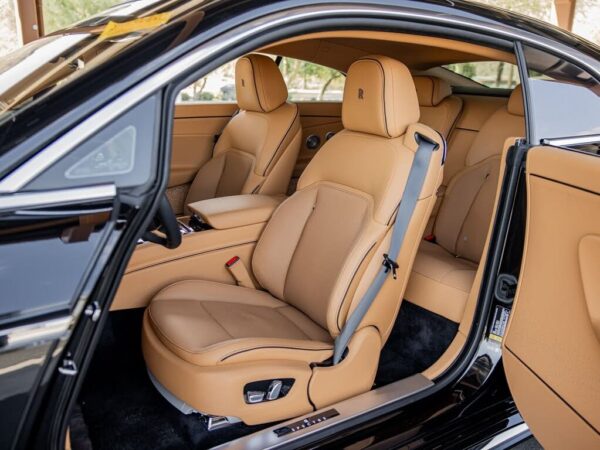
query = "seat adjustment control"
x=274 y=390
x=255 y=396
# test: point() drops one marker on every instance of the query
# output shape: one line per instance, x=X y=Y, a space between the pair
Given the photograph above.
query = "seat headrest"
x=379 y=97
x=431 y=90
x=259 y=85
x=515 y=105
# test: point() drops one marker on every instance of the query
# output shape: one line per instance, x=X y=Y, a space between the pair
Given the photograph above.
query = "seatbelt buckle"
x=390 y=264
x=240 y=272
x=430 y=237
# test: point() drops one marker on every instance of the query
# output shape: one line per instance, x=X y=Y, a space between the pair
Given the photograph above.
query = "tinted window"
x=308 y=82
x=122 y=153
x=493 y=74
x=565 y=100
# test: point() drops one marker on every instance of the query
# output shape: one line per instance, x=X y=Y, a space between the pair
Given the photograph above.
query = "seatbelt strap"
x=414 y=185
x=240 y=272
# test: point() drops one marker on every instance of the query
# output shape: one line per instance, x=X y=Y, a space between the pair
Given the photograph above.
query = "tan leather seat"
x=257 y=150
x=444 y=271
x=204 y=341
x=439 y=108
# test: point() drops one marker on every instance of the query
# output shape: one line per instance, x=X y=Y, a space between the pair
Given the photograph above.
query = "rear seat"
x=439 y=108
x=444 y=270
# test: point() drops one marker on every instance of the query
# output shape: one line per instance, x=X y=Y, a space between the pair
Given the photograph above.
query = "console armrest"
x=236 y=211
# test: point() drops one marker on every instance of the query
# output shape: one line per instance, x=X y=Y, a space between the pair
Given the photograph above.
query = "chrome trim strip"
x=57 y=197
x=508 y=435
x=347 y=409
x=63 y=145
x=27 y=335
x=575 y=140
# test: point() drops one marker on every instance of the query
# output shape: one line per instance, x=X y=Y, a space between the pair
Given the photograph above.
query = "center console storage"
x=218 y=230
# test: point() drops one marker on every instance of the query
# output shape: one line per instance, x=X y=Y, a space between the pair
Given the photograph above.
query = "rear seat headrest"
x=431 y=90
x=379 y=97
x=515 y=102
x=259 y=85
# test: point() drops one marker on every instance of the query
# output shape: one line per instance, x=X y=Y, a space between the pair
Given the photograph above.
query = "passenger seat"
x=439 y=108
x=258 y=148
x=444 y=269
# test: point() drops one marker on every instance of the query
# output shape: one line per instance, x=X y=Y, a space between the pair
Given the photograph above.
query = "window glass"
x=122 y=153
x=308 y=82
x=59 y=14
x=492 y=74
x=217 y=86
x=565 y=99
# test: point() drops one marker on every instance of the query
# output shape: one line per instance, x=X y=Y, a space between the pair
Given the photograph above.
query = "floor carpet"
x=122 y=409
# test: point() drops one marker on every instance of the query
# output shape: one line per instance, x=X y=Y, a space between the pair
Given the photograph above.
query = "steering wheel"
x=166 y=219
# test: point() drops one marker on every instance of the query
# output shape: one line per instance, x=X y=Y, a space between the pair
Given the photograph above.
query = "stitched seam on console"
x=276 y=347
x=281 y=142
x=189 y=256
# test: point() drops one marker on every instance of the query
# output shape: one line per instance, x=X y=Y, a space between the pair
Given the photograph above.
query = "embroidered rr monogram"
x=361 y=94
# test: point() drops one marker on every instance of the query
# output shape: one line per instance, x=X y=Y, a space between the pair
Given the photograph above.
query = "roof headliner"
x=338 y=49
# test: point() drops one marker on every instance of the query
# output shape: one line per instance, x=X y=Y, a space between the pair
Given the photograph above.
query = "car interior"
x=286 y=209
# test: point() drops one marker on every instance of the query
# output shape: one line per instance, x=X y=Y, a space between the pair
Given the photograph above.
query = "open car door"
x=551 y=350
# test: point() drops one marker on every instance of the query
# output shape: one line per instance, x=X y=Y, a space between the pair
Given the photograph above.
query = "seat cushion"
x=207 y=323
x=440 y=282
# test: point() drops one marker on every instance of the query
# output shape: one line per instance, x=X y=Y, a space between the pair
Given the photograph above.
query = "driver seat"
x=265 y=355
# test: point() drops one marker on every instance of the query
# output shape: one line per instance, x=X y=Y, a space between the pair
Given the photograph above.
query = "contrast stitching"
x=276 y=347
x=282 y=141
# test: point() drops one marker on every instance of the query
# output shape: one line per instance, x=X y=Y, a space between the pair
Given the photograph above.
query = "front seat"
x=257 y=150
x=219 y=348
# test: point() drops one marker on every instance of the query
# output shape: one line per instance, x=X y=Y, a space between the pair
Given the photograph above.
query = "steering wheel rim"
x=168 y=221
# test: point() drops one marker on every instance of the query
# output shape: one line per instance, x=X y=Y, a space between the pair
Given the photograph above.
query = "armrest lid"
x=237 y=210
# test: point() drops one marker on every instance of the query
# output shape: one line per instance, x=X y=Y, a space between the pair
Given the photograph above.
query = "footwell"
x=122 y=409
x=418 y=339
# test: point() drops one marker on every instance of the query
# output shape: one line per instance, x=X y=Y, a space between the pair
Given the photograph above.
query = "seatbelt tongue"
x=240 y=272
x=390 y=264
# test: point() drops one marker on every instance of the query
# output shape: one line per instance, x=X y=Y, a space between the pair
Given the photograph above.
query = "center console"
x=217 y=230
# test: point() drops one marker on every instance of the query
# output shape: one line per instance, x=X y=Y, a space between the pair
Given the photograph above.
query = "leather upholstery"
x=236 y=211
x=431 y=91
x=439 y=108
x=316 y=257
x=379 y=97
x=444 y=271
x=257 y=150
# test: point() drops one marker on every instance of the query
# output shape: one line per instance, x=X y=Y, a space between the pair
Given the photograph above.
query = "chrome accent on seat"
x=373 y=401
x=218 y=422
x=183 y=407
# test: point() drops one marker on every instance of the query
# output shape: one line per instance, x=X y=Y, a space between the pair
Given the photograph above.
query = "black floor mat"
x=121 y=407
x=418 y=339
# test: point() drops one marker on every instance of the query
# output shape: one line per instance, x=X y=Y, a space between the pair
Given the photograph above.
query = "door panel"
x=194 y=131
x=49 y=245
x=318 y=119
x=552 y=346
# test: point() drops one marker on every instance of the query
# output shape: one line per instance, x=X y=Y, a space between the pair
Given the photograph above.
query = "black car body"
x=55 y=298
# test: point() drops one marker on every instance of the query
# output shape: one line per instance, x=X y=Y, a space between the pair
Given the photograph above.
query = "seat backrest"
x=257 y=150
x=464 y=217
x=439 y=108
x=323 y=245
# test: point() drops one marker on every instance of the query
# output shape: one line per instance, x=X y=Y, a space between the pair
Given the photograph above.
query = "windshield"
x=51 y=62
